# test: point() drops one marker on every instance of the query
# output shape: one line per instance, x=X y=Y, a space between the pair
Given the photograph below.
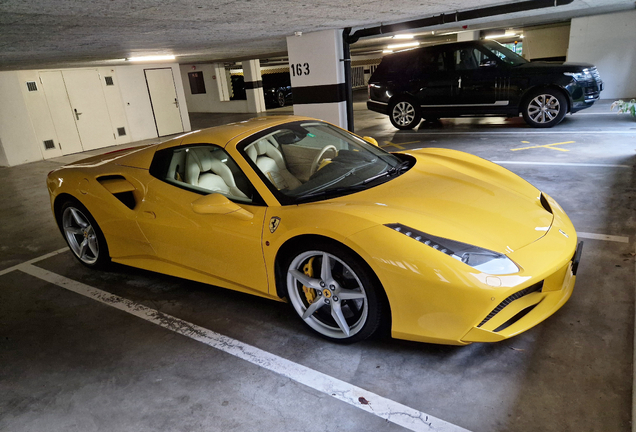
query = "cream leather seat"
x=270 y=161
x=207 y=172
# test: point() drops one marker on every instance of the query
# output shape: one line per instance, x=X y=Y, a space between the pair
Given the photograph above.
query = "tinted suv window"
x=470 y=58
x=432 y=61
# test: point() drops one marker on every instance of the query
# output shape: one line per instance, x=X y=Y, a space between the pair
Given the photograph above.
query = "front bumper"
x=526 y=308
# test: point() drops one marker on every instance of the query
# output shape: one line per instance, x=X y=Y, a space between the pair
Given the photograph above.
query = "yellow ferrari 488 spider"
x=437 y=245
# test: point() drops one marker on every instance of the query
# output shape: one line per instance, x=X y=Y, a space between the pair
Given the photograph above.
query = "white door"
x=61 y=112
x=89 y=108
x=163 y=98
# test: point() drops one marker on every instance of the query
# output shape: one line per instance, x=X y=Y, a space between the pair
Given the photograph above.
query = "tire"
x=316 y=293
x=280 y=99
x=404 y=113
x=544 y=108
x=83 y=235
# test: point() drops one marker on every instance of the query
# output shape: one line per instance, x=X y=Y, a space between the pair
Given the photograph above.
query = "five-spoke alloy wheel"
x=83 y=235
x=544 y=108
x=334 y=294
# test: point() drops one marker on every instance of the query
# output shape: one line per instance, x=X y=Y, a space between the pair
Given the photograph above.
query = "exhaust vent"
x=121 y=131
x=49 y=145
x=32 y=86
x=109 y=80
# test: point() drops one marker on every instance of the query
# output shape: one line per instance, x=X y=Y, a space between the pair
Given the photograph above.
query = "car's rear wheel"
x=404 y=113
x=544 y=108
x=83 y=235
x=334 y=293
x=280 y=98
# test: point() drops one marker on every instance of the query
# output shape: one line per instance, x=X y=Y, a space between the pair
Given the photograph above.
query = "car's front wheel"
x=544 y=108
x=280 y=98
x=334 y=293
x=404 y=113
x=83 y=235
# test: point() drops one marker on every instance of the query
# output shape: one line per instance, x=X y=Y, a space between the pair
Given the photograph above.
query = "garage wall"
x=545 y=42
x=608 y=42
x=25 y=120
x=210 y=101
x=19 y=142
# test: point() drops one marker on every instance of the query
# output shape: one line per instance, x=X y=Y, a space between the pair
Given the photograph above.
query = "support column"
x=317 y=76
x=253 y=86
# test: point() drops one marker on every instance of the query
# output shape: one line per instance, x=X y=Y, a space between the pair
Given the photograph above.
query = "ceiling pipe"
x=455 y=17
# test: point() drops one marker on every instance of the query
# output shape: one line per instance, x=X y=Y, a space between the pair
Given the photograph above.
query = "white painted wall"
x=212 y=100
x=18 y=138
x=25 y=120
x=607 y=41
x=546 y=41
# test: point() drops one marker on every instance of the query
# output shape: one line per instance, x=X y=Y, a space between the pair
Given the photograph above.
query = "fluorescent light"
x=151 y=58
x=387 y=51
x=495 y=36
x=403 y=36
x=404 y=45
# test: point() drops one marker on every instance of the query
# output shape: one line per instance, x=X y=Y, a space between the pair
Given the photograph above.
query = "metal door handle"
x=77 y=114
x=176 y=102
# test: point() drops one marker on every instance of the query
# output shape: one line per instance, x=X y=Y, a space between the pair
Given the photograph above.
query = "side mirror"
x=371 y=141
x=218 y=204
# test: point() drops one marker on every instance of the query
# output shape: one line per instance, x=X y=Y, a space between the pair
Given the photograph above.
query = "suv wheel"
x=544 y=108
x=404 y=114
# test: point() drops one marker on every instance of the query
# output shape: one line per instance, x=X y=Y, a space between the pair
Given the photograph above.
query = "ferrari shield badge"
x=273 y=224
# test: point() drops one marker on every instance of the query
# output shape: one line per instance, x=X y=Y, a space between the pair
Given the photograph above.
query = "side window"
x=432 y=61
x=203 y=169
x=470 y=58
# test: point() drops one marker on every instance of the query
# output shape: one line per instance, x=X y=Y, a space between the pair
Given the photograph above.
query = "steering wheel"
x=319 y=157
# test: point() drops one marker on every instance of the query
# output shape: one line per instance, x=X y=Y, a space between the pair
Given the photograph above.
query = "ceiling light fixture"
x=151 y=58
x=387 y=52
x=495 y=36
x=403 y=36
x=404 y=45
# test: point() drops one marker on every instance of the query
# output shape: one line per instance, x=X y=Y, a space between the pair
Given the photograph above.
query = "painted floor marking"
x=522 y=132
x=562 y=164
x=34 y=260
x=387 y=409
x=548 y=146
x=612 y=238
x=397 y=145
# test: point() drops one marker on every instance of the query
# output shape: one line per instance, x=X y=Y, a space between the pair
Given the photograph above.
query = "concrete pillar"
x=220 y=77
x=317 y=76
x=468 y=35
x=253 y=86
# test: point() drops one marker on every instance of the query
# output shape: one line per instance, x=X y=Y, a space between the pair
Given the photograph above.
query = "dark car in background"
x=478 y=79
x=277 y=89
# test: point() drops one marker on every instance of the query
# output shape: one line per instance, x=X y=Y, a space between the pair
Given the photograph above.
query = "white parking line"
x=562 y=164
x=612 y=238
x=387 y=409
x=34 y=260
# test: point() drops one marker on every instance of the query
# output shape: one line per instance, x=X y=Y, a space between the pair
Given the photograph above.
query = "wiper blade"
x=396 y=170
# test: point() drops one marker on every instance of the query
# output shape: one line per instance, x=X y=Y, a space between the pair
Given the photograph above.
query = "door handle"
x=77 y=114
x=176 y=102
x=459 y=82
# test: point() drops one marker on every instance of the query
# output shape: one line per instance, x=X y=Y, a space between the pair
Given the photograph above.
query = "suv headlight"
x=584 y=75
x=481 y=259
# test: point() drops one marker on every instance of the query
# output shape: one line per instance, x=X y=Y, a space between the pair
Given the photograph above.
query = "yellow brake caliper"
x=308 y=269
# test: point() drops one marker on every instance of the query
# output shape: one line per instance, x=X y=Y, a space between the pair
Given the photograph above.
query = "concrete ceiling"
x=38 y=34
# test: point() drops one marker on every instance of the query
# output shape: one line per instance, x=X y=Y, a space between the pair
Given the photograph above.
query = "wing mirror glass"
x=219 y=204
x=371 y=141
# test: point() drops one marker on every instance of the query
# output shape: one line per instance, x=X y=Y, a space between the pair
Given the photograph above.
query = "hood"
x=555 y=66
x=457 y=196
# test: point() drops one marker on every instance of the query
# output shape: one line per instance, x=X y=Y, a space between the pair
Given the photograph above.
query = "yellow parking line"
x=548 y=146
x=398 y=146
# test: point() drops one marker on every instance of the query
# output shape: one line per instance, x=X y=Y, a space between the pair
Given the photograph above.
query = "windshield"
x=504 y=54
x=309 y=159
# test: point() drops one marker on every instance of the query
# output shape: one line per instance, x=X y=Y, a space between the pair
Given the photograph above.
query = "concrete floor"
x=68 y=363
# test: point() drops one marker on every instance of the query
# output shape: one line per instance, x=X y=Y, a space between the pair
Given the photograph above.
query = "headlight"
x=584 y=75
x=481 y=259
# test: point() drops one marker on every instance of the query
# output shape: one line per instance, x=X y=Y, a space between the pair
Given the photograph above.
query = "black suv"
x=477 y=79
